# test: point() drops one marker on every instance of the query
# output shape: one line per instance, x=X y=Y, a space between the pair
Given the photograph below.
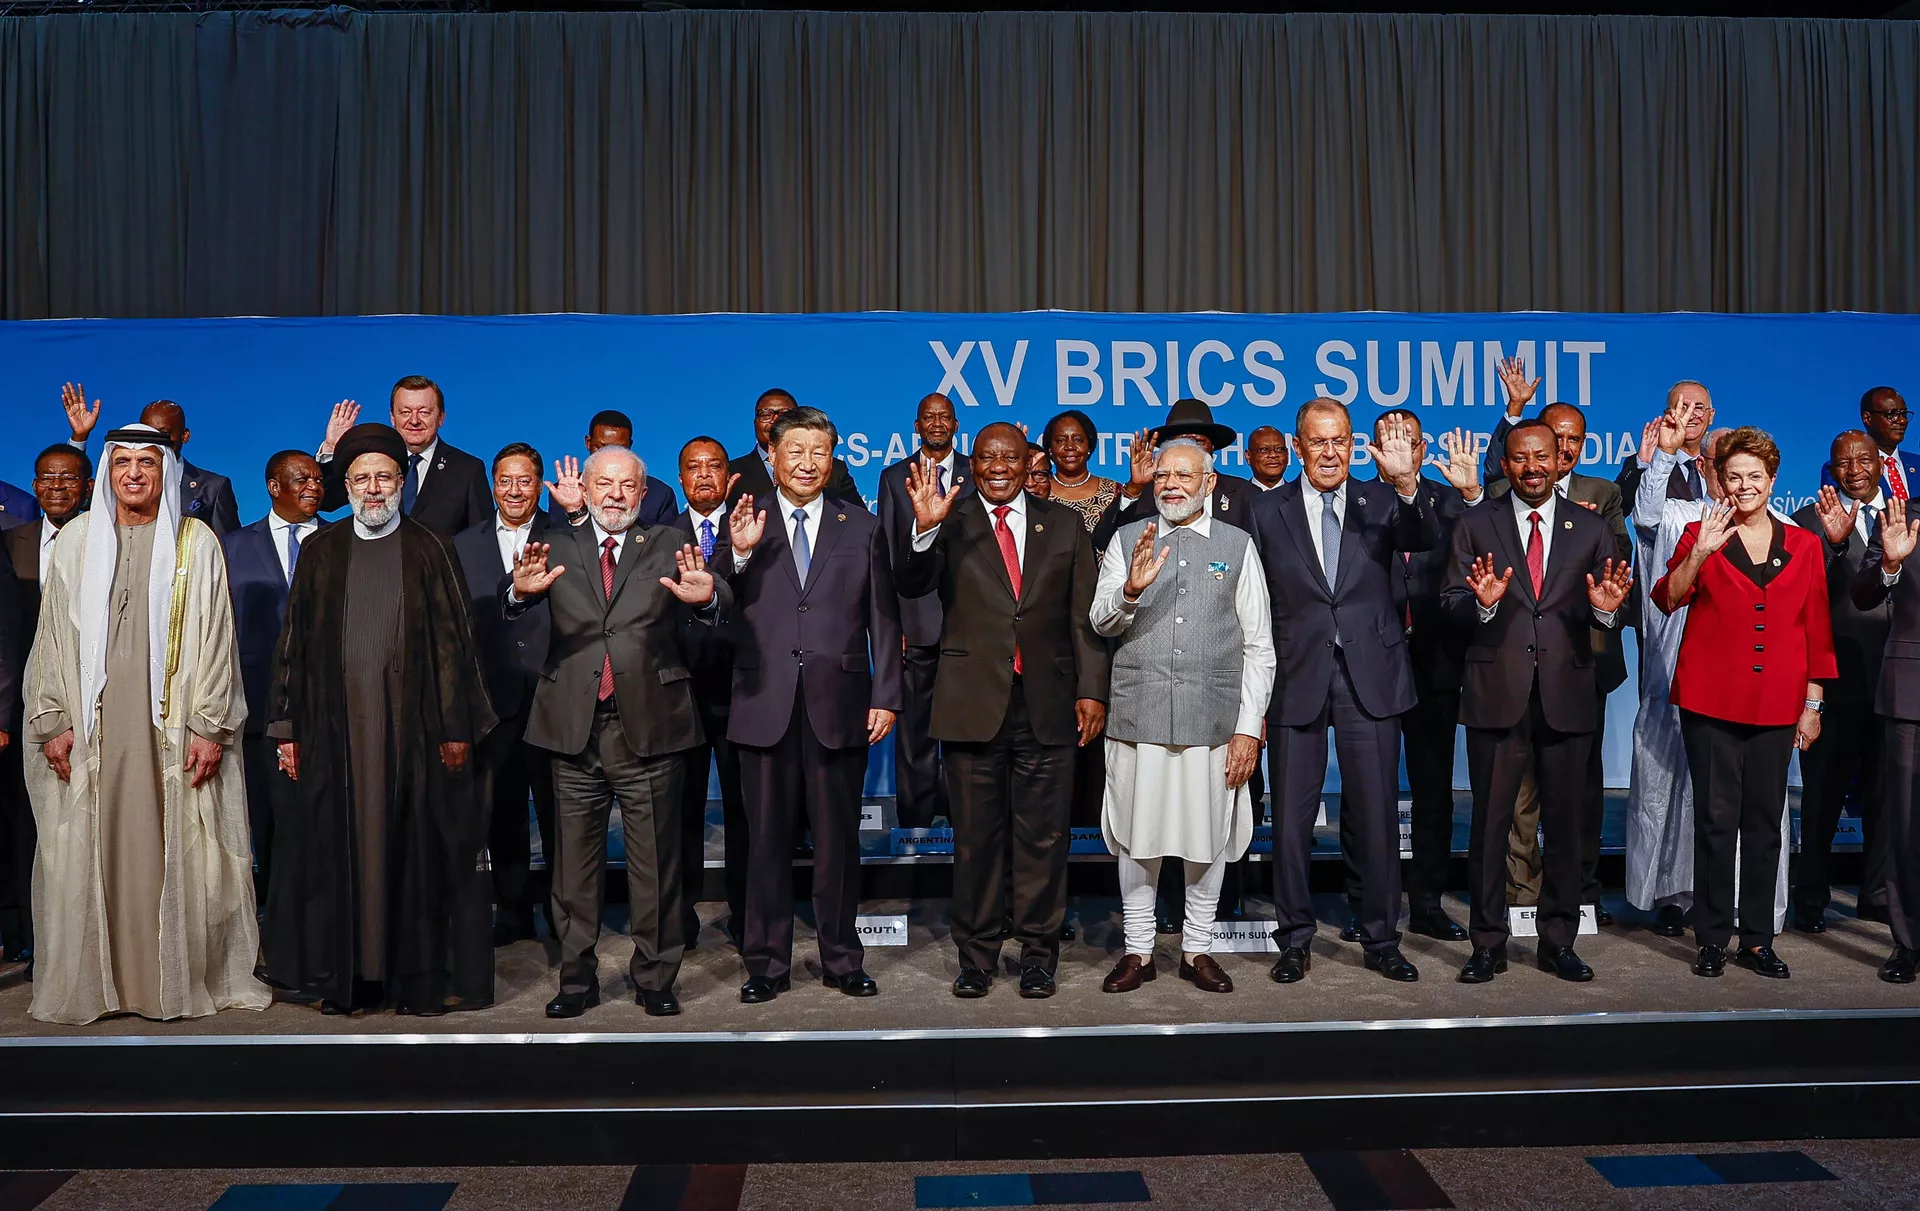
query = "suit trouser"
x=1498 y=760
x=17 y=840
x=716 y=751
x=797 y=778
x=262 y=759
x=585 y=787
x=1523 y=858
x=1010 y=798
x=1739 y=776
x=1369 y=750
x=1427 y=731
x=1900 y=780
x=921 y=791
x=1846 y=755
x=516 y=771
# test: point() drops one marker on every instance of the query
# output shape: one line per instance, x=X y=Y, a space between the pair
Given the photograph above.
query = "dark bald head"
x=168 y=417
x=1855 y=463
x=1267 y=454
x=1569 y=426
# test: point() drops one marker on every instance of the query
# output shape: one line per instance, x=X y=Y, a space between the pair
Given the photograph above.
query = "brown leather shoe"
x=1131 y=972
x=1205 y=974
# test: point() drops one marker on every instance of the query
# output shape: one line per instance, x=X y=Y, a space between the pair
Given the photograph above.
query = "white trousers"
x=1138 y=880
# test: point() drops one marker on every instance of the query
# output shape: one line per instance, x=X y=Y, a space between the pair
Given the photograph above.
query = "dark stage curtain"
x=336 y=162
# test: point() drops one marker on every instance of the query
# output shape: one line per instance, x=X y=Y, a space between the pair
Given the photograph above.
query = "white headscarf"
x=102 y=556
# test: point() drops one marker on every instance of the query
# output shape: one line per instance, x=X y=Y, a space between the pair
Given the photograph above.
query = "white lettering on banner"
x=1173 y=371
x=1004 y=385
x=1454 y=378
x=953 y=384
x=1267 y=372
x=1375 y=390
x=1241 y=937
x=1492 y=352
x=1221 y=350
x=1077 y=362
x=1324 y=359
x=881 y=930
x=1139 y=374
x=1406 y=828
x=1585 y=351
x=1551 y=372
x=1521 y=921
x=870 y=817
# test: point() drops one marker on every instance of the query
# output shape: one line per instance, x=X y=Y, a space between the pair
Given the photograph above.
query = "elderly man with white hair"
x=1193 y=667
x=143 y=897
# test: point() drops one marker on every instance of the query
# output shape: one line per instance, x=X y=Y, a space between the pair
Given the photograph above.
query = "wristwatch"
x=1817 y=706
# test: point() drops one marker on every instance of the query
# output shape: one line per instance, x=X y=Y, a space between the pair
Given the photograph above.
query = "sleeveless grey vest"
x=1176 y=670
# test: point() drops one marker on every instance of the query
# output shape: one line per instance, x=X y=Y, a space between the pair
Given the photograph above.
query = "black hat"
x=370 y=438
x=1192 y=418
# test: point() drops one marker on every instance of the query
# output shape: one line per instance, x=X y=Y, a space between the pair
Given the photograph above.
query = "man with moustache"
x=754 y=468
x=1267 y=457
x=378 y=896
x=921 y=790
x=512 y=653
x=1528 y=698
x=1883 y=414
x=204 y=496
x=260 y=561
x=1022 y=683
x=608 y=428
x=442 y=487
x=62 y=483
x=1328 y=545
x=1844 y=760
x=816 y=680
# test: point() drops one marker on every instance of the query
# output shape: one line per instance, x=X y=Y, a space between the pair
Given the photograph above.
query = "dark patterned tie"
x=706 y=538
x=606 y=588
x=409 y=488
x=1536 y=557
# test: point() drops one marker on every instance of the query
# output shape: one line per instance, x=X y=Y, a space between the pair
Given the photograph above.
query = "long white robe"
x=208 y=935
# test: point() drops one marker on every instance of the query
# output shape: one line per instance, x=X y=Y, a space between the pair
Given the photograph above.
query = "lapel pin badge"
x=1776 y=563
x=1566 y=525
x=839 y=517
x=1038 y=528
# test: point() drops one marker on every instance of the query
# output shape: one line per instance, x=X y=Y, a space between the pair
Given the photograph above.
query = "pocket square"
x=1218 y=568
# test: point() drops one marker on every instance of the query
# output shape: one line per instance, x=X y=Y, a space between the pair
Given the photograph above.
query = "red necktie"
x=606 y=588
x=1011 y=555
x=1536 y=557
x=1896 y=487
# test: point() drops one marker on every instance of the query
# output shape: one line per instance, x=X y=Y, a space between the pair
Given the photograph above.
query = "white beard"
x=614 y=519
x=1178 y=512
x=372 y=514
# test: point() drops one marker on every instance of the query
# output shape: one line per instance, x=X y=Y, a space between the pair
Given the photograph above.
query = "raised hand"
x=344 y=416
x=566 y=487
x=1716 y=526
x=1669 y=434
x=1513 y=374
x=1610 y=591
x=1649 y=441
x=1835 y=518
x=80 y=419
x=1144 y=566
x=203 y=760
x=1145 y=460
x=695 y=583
x=1487 y=587
x=1462 y=464
x=531 y=576
x=744 y=526
x=930 y=505
x=1897 y=535
x=1394 y=453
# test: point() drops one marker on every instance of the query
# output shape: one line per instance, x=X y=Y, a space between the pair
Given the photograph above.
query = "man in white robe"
x=1193 y=668
x=142 y=881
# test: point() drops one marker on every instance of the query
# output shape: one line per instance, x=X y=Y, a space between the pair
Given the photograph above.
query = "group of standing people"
x=343 y=724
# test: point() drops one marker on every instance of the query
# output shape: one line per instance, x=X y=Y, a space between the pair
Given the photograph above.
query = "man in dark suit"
x=1880 y=578
x=16 y=507
x=754 y=468
x=1692 y=400
x=1022 y=682
x=920 y=790
x=260 y=562
x=203 y=494
x=442 y=488
x=1528 y=699
x=512 y=653
x=1883 y=414
x=611 y=428
x=816 y=679
x=1328 y=544
x=615 y=706
x=709 y=654
x=1844 y=760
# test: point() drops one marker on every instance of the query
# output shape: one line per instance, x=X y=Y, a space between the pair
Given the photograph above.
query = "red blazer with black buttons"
x=1748 y=652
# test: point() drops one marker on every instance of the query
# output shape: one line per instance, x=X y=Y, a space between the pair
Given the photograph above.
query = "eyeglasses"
x=770 y=413
x=1889 y=413
x=523 y=482
x=1178 y=477
x=1321 y=444
x=384 y=479
x=60 y=481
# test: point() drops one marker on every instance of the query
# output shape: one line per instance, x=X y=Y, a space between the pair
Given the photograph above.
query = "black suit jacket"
x=209 y=497
x=754 y=480
x=455 y=495
x=512 y=651
x=837 y=640
x=259 y=592
x=1436 y=642
x=709 y=648
x=1061 y=657
x=1859 y=636
x=1552 y=635
x=22 y=546
x=1377 y=527
x=14 y=640
x=919 y=616
x=1233 y=499
x=657 y=508
x=1604 y=496
x=17 y=507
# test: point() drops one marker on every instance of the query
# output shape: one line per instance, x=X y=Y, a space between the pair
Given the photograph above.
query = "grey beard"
x=1181 y=512
x=614 y=519
x=373 y=514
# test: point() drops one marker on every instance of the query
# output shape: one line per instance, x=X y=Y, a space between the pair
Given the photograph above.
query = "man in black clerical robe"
x=379 y=895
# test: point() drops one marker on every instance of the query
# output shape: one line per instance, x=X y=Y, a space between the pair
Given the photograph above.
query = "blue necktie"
x=293 y=550
x=802 y=552
x=1329 y=538
x=706 y=538
x=409 y=489
x=940 y=480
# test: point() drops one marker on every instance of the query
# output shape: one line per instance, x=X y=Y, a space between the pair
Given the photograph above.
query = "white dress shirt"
x=277 y=527
x=1862 y=524
x=366 y=531
x=511 y=539
x=1016 y=522
x=600 y=537
x=1316 y=503
x=48 y=532
x=426 y=464
x=719 y=519
x=813 y=513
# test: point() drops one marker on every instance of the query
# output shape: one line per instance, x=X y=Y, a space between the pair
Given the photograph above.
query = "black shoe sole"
x=1499 y=969
x=1767 y=975
x=1548 y=967
x=1291 y=979
x=1038 y=994
x=652 y=1012
x=592 y=1002
x=779 y=987
x=972 y=994
x=871 y=990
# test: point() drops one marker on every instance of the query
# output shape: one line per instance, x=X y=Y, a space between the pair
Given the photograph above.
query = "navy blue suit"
x=209 y=497
x=259 y=591
x=16 y=507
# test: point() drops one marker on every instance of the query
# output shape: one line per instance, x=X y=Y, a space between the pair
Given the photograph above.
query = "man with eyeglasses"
x=755 y=467
x=1883 y=414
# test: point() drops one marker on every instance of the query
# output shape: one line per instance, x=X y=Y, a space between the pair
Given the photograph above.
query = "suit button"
x=607 y=634
x=1183 y=592
x=803 y=609
x=1756 y=668
x=1176 y=652
x=796 y=653
x=1329 y=643
x=1759 y=605
x=1536 y=615
x=1759 y=647
x=1759 y=626
x=1529 y=647
x=1183 y=563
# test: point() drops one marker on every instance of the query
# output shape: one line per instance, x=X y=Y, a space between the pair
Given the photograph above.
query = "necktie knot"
x=609 y=545
x=1000 y=513
x=1534 y=517
x=706 y=538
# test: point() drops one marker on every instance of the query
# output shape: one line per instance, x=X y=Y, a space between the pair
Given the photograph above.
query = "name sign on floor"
x=1521 y=922
x=1244 y=936
x=881 y=929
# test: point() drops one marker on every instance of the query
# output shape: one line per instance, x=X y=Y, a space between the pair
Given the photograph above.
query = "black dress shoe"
x=1351 y=933
x=1389 y=962
x=1292 y=967
x=573 y=1004
x=758 y=990
x=855 y=983
x=1484 y=964
x=661 y=1004
x=972 y=982
x=1670 y=921
x=1898 y=969
x=1036 y=983
x=1561 y=961
x=1602 y=915
x=1762 y=959
x=1711 y=962
x=1435 y=923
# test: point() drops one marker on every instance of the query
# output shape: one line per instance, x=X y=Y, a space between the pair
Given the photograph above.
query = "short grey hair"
x=1187 y=443
x=1689 y=382
x=1321 y=403
x=599 y=458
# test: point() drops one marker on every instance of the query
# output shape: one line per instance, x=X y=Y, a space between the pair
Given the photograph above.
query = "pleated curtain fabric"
x=337 y=162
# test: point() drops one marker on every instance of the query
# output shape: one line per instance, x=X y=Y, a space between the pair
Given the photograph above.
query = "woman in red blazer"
x=1758 y=640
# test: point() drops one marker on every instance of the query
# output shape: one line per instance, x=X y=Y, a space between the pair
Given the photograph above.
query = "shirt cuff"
x=740 y=558
x=1889 y=579
x=1249 y=724
x=924 y=542
x=1606 y=617
x=48 y=725
x=325 y=457
x=1487 y=612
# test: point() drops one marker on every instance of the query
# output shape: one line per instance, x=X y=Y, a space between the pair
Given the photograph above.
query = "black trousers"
x=1369 y=751
x=1010 y=797
x=1427 y=732
x=516 y=772
x=1594 y=798
x=802 y=779
x=717 y=751
x=265 y=781
x=1900 y=779
x=920 y=791
x=17 y=840
x=1739 y=786
x=1497 y=760
x=1845 y=757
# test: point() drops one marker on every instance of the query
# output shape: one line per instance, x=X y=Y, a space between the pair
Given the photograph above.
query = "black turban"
x=370 y=438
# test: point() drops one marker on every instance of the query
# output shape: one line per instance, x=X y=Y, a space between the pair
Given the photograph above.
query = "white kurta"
x=209 y=939
x=1174 y=802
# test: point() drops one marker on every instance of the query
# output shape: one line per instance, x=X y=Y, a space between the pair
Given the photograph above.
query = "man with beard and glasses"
x=379 y=897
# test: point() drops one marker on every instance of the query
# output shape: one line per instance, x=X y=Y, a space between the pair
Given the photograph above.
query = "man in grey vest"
x=1192 y=672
